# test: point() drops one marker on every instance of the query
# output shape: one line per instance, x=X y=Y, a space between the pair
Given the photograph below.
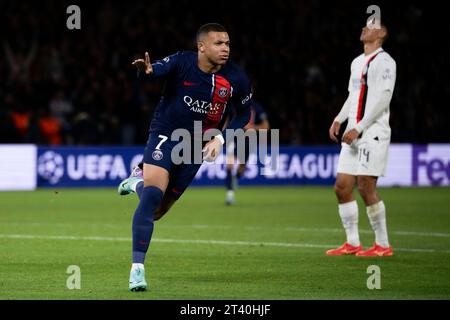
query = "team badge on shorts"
x=223 y=92
x=157 y=155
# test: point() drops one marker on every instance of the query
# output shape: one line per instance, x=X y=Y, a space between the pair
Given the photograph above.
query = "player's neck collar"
x=373 y=52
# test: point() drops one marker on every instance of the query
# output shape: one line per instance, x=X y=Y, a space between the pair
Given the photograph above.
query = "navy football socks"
x=150 y=199
x=139 y=188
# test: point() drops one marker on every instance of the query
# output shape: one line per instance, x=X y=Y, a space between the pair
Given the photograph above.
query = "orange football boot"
x=376 y=251
x=345 y=249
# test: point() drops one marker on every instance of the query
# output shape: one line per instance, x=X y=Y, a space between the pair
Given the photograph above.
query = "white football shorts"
x=365 y=157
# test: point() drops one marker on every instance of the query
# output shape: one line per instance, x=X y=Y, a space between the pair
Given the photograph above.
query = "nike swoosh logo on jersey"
x=187 y=83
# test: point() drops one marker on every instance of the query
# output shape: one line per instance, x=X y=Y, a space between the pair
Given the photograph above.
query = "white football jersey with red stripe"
x=371 y=75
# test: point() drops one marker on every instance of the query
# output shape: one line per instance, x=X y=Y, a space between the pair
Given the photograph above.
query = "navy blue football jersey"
x=192 y=95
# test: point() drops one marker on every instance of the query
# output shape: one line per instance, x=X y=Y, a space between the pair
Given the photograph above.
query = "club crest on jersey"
x=223 y=92
x=157 y=155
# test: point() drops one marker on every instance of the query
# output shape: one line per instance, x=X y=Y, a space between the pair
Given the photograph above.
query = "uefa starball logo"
x=51 y=166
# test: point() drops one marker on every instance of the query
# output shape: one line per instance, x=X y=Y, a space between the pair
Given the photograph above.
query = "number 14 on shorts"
x=363 y=156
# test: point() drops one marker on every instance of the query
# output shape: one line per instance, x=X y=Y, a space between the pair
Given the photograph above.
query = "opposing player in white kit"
x=365 y=142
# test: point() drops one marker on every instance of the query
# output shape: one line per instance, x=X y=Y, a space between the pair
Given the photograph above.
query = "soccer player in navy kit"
x=199 y=87
x=258 y=121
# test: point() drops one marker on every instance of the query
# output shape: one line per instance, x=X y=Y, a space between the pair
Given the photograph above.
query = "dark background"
x=60 y=86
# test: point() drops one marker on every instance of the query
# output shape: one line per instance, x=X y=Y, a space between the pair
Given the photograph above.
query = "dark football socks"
x=150 y=199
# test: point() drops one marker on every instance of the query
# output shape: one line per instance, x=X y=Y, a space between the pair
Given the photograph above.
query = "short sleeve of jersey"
x=384 y=75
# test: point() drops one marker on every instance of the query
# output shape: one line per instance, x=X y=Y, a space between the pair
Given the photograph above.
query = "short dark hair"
x=214 y=27
x=383 y=26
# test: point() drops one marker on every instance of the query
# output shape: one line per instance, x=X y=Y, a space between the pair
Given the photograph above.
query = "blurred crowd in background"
x=78 y=87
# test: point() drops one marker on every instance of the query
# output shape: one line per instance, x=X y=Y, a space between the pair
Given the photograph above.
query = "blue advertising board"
x=408 y=165
x=107 y=166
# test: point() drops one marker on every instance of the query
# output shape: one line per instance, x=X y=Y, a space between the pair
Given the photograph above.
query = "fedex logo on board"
x=431 y=165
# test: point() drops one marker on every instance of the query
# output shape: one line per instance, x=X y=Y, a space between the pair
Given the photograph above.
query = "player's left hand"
x=212 y=150
x=350 y=136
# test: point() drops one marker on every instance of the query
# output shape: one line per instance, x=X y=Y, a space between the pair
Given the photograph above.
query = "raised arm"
x=158 y=69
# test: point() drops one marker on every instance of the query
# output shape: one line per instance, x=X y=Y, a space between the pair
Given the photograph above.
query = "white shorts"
x=367 y=157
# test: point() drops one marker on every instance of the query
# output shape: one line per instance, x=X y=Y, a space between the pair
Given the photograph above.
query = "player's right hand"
x=144 y=64
x=334 y=131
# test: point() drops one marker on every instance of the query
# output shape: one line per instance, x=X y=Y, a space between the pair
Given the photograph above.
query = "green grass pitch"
x=269 y=246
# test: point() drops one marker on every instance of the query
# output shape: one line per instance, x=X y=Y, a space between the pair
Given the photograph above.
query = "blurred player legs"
x=237 y=156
